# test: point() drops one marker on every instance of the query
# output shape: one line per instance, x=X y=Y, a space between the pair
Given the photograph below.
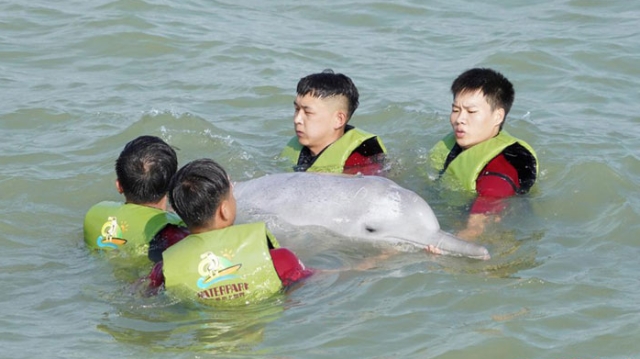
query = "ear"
x=498 y=116
x=340 y=119
x=225 y=211
x=119 y=187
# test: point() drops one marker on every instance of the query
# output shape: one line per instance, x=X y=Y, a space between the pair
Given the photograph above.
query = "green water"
x=217 y=79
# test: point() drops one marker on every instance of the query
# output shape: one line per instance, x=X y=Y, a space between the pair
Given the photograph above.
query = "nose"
x=458 y=117
x=297 y=118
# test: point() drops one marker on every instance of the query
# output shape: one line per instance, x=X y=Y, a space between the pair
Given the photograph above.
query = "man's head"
x=144 y=170
x=202 y=196
x=482 y=99
x=324 y=104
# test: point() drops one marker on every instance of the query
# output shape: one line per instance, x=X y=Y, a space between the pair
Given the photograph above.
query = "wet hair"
x=145 y=168
x=197 y=190
x=329 y=84
x=497 y=90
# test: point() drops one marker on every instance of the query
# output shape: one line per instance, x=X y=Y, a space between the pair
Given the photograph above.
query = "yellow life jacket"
x=128 y=227
x=463 y=171
x=333 y=158
x=225 y=266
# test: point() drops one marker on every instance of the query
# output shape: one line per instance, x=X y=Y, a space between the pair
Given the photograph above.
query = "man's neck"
x=161 y=204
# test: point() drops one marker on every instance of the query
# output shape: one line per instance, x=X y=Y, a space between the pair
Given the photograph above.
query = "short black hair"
x=329 y=84
x=497 y=89
x=145 y=168
x=197 y=190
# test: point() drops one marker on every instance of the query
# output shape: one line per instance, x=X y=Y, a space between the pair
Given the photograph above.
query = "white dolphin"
x=367 y=207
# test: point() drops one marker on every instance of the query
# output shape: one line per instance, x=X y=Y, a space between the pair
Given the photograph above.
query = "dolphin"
x=372 y=208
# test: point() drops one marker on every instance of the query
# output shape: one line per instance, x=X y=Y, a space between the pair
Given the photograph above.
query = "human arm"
x=357 y=163
x=367 y=159
x=497 y=181
x=155 y=279
x=168 y=236
x=288 y=266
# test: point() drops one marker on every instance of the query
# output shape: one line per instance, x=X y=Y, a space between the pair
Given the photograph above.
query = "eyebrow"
x=463 y=106
x=297 y=105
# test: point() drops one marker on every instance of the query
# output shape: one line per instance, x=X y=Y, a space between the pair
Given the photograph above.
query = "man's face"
x=317 y=121
x=472 y=119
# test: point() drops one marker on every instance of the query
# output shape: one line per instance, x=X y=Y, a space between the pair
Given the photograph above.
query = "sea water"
x=217 y=79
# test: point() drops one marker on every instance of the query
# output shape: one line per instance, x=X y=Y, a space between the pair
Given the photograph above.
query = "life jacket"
x=225 y=266
x=463 y=171
x=333 y=158
x=128 y=227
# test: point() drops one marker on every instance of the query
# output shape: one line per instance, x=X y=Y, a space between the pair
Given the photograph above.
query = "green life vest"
x=334 y=157
x=463 y=171
x=225 y=266
x=129 y=227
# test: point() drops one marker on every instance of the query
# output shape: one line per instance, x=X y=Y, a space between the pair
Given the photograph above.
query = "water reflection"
x=162 y=323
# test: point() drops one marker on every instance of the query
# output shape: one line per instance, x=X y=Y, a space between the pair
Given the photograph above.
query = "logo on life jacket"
x=213 y=269
x=111 y=234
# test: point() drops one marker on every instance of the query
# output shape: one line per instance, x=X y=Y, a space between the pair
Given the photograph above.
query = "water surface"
x=217 y=79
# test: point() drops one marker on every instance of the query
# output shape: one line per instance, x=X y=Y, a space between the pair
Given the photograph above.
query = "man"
x=478 y=155
x=324 y=141
x=220 y=261
x=144 y=170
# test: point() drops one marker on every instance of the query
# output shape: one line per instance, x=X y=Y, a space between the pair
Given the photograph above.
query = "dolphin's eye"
x=370 y=229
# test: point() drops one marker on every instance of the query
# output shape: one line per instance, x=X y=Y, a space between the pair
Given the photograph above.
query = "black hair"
x=145 y=168
x=497 y=89
x=329 y=84
x=197 y=190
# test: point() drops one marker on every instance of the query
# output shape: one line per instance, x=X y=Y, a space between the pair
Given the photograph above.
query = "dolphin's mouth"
x=447 y=244
x=435 y=250
x=451 y=245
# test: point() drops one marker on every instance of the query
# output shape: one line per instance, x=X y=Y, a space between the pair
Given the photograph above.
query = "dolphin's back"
x=302 y=198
